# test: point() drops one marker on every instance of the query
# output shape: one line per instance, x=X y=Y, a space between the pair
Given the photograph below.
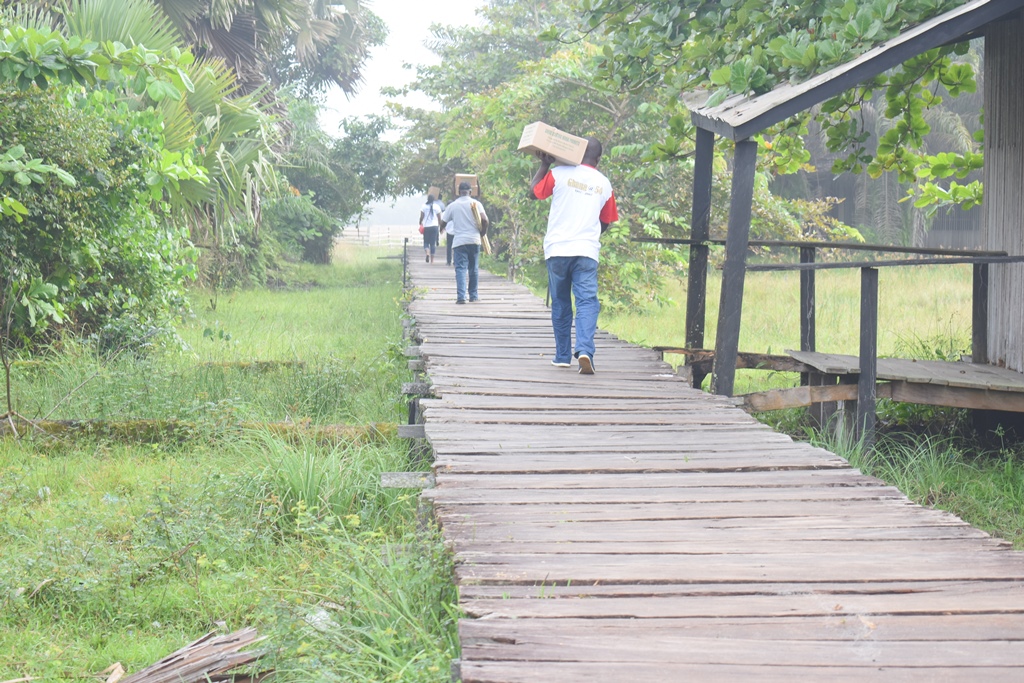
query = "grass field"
x=116 y=551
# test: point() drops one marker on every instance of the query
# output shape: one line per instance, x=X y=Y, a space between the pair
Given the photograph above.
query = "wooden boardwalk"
x=626 y=527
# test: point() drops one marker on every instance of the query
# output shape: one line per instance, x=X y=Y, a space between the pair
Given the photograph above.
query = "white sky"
x=407 y=22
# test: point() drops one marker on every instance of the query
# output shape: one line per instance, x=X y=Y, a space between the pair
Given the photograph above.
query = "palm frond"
x=30 y=16
x=137 y=22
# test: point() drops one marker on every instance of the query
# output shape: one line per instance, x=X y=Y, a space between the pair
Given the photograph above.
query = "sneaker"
x=561 y=365
x=428 y=258
x=460 y=301
x=586 y=364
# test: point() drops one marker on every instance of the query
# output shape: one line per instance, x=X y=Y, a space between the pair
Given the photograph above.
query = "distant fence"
x=380 y=235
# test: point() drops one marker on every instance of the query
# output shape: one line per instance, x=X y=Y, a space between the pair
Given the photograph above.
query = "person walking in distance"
x=458 y=219
x=582 y=207
x=429 y=215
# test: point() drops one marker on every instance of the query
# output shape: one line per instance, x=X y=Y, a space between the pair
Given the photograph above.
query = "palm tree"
x=310 y=43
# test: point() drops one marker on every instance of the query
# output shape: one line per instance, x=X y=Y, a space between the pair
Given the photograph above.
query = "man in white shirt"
x=458 y=219
x=582 y=207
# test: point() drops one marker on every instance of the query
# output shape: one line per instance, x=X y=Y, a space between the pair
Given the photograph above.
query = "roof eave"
x=951 y=27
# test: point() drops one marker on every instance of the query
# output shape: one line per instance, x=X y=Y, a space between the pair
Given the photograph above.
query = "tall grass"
x=114 y=552
x=342 y=328
x=981 y=486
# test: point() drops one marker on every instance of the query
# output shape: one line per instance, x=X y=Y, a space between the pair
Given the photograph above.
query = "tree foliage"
x=513 y=78
x=747 y=47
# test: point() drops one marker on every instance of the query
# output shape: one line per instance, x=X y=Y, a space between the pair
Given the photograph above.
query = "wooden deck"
x=941 y=383
x=626 y=527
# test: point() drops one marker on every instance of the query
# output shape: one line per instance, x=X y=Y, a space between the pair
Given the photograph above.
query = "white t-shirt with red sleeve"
x=581 y=199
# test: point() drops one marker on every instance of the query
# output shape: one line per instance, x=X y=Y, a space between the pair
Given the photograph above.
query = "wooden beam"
x=979 y=314
x=801 y=397
x=412 y=431
x=836 y=265
x=700 y=222
x=957 y=397
x=416 y=388
x=730 y=308
x=866 y=418
x=807 y=312
x=700 y=230
x=745 y=360
x=820 y=244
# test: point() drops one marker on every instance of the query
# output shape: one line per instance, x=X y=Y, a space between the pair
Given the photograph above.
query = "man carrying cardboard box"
x=582 y=207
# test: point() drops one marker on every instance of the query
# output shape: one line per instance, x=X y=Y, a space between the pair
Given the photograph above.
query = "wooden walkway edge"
x=624 y=526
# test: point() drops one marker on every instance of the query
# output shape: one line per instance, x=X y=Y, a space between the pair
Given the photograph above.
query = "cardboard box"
x=435 y=191
x=540 y=137
x=471 y=179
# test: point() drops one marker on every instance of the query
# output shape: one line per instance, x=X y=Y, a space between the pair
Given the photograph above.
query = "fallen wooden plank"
x=202 y=659
x=407 y=480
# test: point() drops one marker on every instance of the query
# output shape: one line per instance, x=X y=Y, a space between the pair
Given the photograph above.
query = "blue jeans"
x=576 y=275
x=467 y=263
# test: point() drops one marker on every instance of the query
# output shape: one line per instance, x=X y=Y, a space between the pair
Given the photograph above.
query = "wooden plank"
x=623 y=638
x=977 y=399
x=503 y=569
x=797 y=397
x=465 y=416
x=411 y=432
x=662 y=494
x=794 y=514
x=742 y=531
x=467 y=551
x=852 y=596
x=612 y=672
x=759 y=648
x=569 y=482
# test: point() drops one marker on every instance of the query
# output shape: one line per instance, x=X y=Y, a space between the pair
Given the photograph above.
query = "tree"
x=748 y=47
x=560 y=83
x=307 y=43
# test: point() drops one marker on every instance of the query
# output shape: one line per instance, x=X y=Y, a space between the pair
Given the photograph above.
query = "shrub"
x=302 y=229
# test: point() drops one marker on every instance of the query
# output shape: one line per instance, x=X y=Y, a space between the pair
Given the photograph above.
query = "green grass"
x=117 y=552
x=346 y=330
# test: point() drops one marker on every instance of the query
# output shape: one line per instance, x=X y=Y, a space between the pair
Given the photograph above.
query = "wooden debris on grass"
x=210 y=658
x=159 y=431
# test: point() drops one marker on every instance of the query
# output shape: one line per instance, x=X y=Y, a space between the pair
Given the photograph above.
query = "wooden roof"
x=741 y=116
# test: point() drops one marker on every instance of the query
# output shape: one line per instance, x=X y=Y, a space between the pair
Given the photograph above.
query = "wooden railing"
x=809 y=265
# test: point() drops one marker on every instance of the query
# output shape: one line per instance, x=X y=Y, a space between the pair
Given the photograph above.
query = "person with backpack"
x=430 y=214
x=466 y=219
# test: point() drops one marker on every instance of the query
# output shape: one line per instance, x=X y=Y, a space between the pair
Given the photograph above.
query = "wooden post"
x=405 y=261
x=807 y=313
x=865 y=430
x=979 y=315
x=730 y=309
x=700 y=231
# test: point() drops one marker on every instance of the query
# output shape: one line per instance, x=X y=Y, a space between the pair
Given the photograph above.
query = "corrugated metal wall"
x=1003 y=223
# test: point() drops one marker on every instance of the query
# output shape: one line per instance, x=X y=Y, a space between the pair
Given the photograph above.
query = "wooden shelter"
x=999 y=326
